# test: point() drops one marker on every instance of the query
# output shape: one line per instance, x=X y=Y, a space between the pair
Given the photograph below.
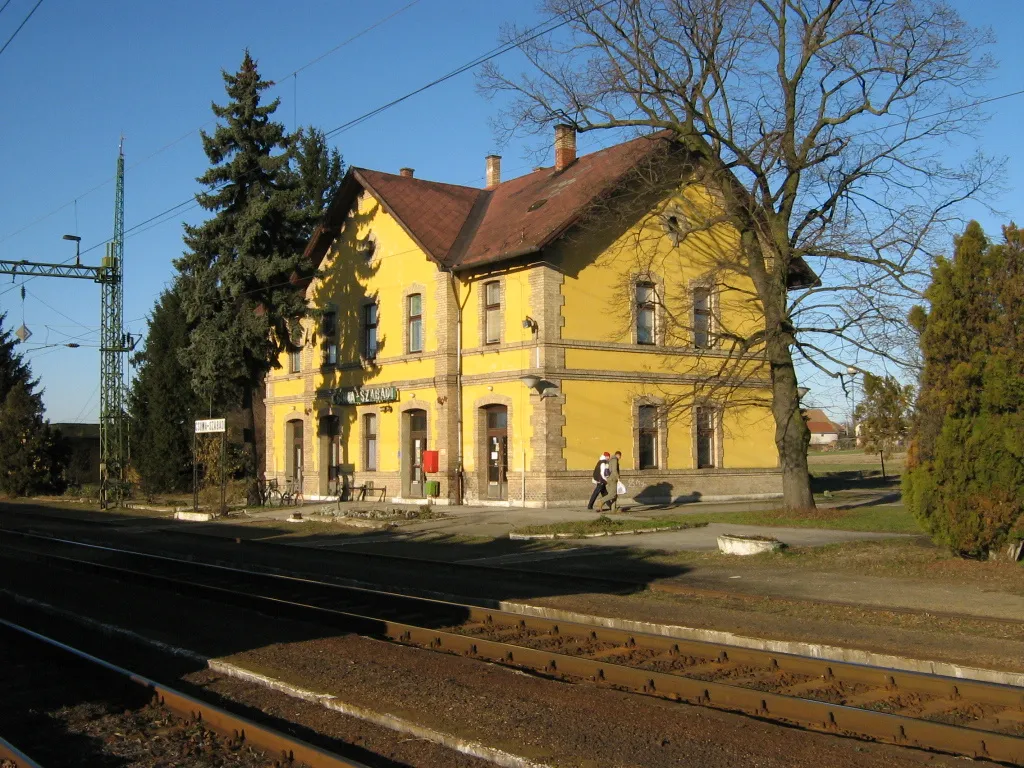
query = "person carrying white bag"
x=615 y=486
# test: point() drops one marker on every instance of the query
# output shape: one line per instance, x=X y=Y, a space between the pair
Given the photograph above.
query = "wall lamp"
x=530 y=323
x=385 y=409
x=539 y=385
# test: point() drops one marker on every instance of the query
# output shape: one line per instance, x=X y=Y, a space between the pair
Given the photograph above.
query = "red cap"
x=606 y=454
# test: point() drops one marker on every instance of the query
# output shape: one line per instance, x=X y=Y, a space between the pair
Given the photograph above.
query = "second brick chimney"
x=407 y=172
x=565 y=146
x=493 y=171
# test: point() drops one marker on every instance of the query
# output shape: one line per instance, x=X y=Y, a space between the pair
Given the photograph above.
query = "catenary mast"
x=114 y=342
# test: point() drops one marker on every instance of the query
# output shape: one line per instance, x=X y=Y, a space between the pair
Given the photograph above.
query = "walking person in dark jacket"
x=612 y=479
x=600 y=479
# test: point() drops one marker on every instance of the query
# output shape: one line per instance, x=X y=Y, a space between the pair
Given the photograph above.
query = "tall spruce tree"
x=162 y=403
x=965 y=467
x=241 y=273
x=320 y=170
x=34 y=455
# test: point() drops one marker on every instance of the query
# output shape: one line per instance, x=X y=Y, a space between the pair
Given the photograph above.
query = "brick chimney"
x=493 y=171
x=565 y=146
x=407 y=172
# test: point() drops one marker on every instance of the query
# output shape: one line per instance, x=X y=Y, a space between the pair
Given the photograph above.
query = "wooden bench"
x=360 y=492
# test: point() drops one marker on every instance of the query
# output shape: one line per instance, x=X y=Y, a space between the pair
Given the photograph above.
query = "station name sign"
x=209 y=425
x=360 y=395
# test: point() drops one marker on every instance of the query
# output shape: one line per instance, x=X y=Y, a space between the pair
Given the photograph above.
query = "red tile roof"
x=462 y=228
x=820 y=424
x=432 y=213
x=525 y=214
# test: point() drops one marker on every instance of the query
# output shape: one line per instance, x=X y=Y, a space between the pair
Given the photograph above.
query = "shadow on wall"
x=341 y=289
x=660 y=494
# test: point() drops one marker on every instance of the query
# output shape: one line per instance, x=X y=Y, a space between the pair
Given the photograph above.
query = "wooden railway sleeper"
x=852 y=720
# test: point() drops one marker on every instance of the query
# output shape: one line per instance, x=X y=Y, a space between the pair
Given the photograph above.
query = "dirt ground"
x=558 y=723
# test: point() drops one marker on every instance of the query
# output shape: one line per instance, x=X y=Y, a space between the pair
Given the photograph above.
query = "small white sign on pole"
x=209 y=425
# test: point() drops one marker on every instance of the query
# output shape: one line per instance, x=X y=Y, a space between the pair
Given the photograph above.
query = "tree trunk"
x=252 y=491
x=792 y=435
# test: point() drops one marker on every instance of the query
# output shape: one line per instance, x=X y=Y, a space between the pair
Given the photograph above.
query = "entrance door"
x=497 y=451
x=296 y=449
x=330 y=455
x=414 y=452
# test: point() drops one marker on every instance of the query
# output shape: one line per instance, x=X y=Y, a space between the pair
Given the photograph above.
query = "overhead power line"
x=366 y=30
x=23 y=23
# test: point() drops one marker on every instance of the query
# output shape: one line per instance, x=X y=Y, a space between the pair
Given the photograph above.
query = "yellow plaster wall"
x=513 y=360
x=749 y=437
x=515 y=397
x=600 y=269
x=599 y=417
x=286 y=387
x=350 y=281
x=516 y=305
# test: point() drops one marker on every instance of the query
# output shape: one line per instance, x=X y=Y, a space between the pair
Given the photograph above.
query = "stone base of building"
x=568 y=489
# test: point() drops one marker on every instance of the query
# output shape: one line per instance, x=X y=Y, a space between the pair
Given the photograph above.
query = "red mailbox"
x=430 y=461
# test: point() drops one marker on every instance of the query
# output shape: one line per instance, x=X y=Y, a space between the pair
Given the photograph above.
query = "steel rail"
x=890 y=679
x=596 y=583
x=601 y=584
x=234 y=727
x=14 y=755
x=805 y=712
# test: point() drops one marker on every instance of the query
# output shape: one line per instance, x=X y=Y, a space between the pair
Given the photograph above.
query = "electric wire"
x=193 y=131
x=23 y=23
x=528 y=35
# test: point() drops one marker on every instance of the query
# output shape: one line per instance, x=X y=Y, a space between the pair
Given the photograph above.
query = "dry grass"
x=915 y=558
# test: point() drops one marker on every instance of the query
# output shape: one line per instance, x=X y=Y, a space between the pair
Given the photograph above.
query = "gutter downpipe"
x=458 y=390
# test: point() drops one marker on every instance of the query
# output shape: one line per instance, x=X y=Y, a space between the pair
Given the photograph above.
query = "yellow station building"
x=519 y=331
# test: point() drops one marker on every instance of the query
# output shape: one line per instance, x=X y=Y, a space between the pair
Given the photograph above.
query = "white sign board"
x=209 y=425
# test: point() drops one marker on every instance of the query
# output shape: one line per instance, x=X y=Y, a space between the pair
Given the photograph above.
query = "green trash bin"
x=433 y=488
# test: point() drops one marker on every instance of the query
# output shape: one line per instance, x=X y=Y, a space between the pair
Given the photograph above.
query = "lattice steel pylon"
x=113 y=347
x=114 y=342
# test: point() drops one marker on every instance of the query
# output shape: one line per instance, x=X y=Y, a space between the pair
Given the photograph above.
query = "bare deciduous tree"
x=821 y=127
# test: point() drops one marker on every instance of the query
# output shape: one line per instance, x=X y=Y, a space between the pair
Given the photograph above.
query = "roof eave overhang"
x=330 y=225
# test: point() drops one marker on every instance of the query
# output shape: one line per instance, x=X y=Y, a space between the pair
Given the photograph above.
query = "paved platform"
x=496 y=522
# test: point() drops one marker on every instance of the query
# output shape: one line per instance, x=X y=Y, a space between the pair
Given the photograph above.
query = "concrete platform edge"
x=328 y=701
x=814 y=650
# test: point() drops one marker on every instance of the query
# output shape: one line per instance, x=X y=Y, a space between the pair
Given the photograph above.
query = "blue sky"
x=78 y=75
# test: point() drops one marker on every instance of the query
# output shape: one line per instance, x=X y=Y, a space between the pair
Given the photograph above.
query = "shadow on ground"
x=854 y=479
x=497 y=569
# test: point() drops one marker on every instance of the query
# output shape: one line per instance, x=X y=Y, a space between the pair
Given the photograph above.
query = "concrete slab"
x=706 y=538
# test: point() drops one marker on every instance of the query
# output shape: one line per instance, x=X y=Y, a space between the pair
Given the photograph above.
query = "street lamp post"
x=852 y=373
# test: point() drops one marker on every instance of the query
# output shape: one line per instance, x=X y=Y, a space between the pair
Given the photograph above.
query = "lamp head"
x=530 y=380
x=73 y=238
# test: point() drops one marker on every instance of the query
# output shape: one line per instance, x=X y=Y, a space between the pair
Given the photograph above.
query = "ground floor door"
x=330 y=455
x=295 y=464
x=416 y=443
x=497 y=451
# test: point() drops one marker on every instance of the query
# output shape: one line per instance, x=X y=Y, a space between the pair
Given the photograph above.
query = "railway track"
x=975 y=719
x=527 y=582
x=75 y=664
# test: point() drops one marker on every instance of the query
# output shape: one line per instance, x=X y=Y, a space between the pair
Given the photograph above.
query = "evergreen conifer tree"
x=965 y=467
x=320 y=170
x=33 y=454
x=242 y=273
x=162 y=403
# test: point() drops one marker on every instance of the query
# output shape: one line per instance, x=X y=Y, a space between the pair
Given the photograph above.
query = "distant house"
x=824 y=431
x=84 y=441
